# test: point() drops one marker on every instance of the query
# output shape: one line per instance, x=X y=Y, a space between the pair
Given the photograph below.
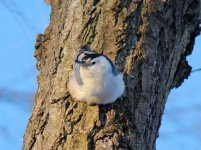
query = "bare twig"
x=196 y=70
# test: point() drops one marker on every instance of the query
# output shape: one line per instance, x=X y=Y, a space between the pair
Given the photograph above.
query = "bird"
x=95 y=79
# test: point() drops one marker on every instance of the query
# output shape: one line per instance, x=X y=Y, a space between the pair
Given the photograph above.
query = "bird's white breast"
x=98 y=90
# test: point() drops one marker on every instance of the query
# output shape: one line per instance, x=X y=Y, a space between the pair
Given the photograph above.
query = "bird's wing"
x=76 y=70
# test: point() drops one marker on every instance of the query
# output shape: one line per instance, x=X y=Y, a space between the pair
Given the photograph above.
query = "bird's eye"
x=93 y=63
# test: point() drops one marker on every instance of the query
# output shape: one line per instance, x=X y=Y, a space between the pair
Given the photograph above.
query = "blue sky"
x=181 y=124
x=21 y=21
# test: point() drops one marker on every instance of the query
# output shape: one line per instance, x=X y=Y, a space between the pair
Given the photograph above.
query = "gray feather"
x=76 y=70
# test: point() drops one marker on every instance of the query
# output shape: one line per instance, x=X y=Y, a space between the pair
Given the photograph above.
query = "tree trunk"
x=148 y=40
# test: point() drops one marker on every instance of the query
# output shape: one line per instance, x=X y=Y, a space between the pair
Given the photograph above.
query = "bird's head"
x=95 y=63
x=89 y=63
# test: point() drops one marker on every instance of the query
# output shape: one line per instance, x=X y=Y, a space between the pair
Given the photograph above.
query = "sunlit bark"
x=149 y=42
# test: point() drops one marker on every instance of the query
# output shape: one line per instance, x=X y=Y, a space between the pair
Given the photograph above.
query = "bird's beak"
x=81 y=63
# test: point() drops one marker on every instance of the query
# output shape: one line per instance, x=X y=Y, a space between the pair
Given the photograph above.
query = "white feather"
x=100 y=85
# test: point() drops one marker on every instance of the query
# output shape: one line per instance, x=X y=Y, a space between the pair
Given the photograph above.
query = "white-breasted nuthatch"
x=95 y=78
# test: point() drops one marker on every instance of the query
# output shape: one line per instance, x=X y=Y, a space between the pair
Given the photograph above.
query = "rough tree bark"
x=148 y=40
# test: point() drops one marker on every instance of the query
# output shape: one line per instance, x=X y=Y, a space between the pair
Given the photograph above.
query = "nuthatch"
x=95 y=78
